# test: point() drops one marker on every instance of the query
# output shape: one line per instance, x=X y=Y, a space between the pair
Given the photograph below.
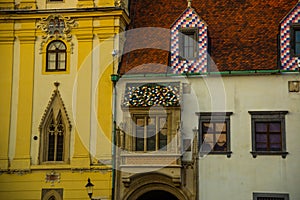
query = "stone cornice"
x=7 y=39
x=92 y=11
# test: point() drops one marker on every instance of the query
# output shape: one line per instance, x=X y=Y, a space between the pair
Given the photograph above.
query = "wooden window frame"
x=184 y=32
x=294 y=27
x=57 y=52
x=268 y=117
x=271 y=196
x=145 y=134
x=214 y=117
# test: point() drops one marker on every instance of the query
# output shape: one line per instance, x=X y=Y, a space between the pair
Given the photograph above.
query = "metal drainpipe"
x=114 y=79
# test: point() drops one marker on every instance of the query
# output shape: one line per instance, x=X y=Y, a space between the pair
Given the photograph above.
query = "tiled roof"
x=243 y=34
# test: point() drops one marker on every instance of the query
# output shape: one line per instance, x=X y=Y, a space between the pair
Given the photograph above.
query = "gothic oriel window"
x=55 y=132
x=56 y=56
x=151 y=117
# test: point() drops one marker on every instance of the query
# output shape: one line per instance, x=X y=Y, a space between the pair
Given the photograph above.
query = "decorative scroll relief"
x=288 y=62
x=155 y=94
x=56 y=27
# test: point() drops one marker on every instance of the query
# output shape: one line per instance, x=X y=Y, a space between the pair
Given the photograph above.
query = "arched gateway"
x=157 y=194
x=153 y=186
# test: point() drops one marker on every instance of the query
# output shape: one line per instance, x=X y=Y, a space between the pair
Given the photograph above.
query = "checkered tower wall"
x=288 y=62
x=189 y=19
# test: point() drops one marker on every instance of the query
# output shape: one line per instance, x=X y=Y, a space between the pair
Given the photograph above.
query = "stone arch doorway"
x=153 y=186
x=157 y=194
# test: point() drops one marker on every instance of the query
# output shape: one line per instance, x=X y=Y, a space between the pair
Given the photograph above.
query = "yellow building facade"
x=56 y=114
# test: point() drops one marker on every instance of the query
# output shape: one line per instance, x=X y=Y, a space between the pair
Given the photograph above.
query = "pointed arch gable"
x=189 y=22
x=55 y=129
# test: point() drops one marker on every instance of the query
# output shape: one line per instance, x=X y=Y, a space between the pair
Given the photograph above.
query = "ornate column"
x=27 y=38
x=6 y=77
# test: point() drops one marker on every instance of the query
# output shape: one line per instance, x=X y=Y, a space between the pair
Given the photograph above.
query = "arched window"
x=56 y=56
x=55 y=138
x=55 y=131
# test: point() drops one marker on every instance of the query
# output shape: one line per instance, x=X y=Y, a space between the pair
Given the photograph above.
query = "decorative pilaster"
x=6 y=57
x=21 y=158
x=81 y=158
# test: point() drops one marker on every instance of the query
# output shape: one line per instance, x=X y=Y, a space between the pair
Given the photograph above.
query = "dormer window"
x=295 y=40
x=188 y=44
x=290 y=40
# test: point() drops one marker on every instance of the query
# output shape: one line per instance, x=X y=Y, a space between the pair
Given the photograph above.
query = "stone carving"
x=56 y=27
x=52 y=177
x=120 y=3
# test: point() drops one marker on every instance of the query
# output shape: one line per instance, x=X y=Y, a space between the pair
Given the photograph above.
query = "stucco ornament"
x=56 y=27
x=52 y=177
x=120 y=3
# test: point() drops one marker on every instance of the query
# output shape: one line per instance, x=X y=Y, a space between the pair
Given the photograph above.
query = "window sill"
x=256 y=153
x=227 y=153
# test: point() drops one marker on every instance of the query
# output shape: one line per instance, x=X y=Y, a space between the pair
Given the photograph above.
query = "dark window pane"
x=275 y=147
x=261 y=147
x=51 y=146
x=274 y=127
x=297 y=49
x=261 y=138
x=163 y=141
x=151 y=143
x=261 y=127
x=297 y=36
x=275 y=138
x=139 y=144
x=60 y=147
